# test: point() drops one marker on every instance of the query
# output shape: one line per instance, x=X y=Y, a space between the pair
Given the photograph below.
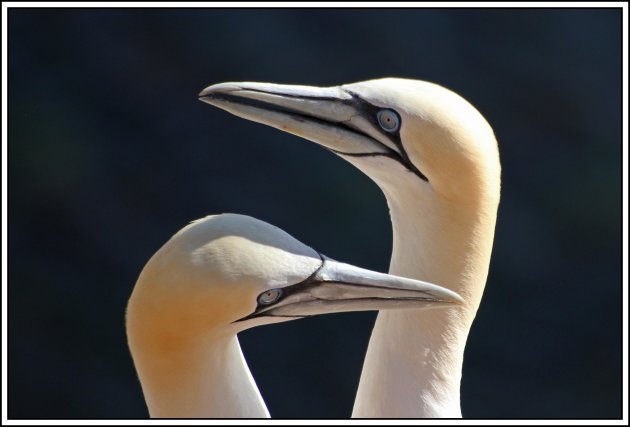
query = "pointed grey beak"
x=322 y=115
x=334 y=117
x=337 y=287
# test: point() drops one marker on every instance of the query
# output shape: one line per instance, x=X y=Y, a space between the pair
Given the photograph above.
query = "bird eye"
x=388 y=120
x=270 y=296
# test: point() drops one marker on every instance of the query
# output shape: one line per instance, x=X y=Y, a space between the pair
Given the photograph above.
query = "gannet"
x=436 y=159
x=226 y=273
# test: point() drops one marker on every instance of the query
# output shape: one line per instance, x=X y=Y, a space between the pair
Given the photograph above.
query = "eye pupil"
x=270 y=296
x=388 y=120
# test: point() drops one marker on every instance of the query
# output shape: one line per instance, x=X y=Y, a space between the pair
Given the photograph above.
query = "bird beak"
x=337 y=287
x=333 y=117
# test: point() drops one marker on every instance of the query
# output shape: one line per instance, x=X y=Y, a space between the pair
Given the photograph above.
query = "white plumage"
x=436 y=159
x=226 y=273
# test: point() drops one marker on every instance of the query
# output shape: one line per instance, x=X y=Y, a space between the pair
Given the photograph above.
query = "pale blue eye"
x=270 y=296
x=388 y=120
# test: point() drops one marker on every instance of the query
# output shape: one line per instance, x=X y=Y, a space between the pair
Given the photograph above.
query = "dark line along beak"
x=332 y=117
x=337 y=287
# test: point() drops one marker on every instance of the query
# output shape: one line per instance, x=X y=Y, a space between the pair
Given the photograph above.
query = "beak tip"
x=459 y=302
x=204 y=93
x=215 y=91
x=455 y=298
x=447 y=297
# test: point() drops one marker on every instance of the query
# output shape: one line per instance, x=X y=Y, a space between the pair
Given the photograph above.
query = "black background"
x=110 y=153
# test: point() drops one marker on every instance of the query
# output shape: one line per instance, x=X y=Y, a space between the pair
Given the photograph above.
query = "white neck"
x=414 y=360
x=206 y=378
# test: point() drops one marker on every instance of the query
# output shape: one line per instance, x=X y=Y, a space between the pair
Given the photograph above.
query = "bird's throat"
x=208 y=379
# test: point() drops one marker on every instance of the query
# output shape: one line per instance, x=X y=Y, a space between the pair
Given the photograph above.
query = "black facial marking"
x=287 y=291
x=370 y=111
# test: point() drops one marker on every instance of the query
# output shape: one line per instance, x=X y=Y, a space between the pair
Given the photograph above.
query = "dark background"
x=110 y=153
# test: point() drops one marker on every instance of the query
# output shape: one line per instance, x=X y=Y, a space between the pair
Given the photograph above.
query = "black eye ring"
x=270 y=296
x=388 y=120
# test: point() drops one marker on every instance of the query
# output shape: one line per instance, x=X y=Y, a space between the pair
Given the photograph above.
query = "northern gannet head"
x=226 y=273
x=392 y=129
